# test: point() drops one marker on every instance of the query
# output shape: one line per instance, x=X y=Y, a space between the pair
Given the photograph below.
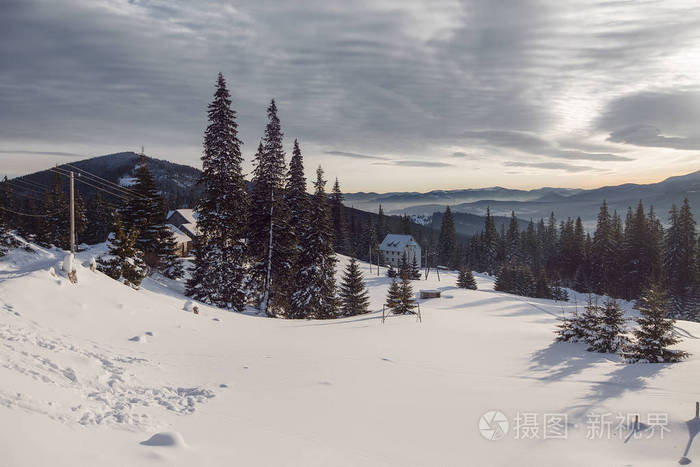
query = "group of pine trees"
x=274 y=245
x=141 y=240
x=603 y=328
x=619 y=259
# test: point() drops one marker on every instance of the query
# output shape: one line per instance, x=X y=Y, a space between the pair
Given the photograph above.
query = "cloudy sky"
x=385 y=94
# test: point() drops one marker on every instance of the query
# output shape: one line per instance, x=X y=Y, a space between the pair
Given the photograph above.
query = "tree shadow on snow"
x=625 y=377
x=561 y=360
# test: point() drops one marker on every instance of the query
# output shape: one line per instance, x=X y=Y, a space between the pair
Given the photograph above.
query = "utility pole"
x=72 y=214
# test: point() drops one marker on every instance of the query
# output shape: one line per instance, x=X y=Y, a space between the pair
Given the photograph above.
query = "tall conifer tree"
x=219 y=266
x=270 y=238
x=314 y=294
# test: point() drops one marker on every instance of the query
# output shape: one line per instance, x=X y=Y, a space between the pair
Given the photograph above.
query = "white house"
x=394 y=246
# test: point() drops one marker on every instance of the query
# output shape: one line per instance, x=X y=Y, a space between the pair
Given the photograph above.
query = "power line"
x=28 y=182
x=105 y=181
x=24 y=188
x=30 y=215
x=116 y=195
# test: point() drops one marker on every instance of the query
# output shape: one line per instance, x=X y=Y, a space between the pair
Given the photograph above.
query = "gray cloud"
x=422 y=164
x=353 y=155
x=378 y=76
x=415 y=163
x=551 y=166
x=641 y=119
x=535 y=145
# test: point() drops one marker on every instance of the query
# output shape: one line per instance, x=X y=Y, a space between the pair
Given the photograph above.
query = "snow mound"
x=166 y=438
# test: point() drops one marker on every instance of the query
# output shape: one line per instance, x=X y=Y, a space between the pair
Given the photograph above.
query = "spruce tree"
x=490 y=243
x=341 y=240
x=571 y=328
x=404 y=267
x=465 y=279
x=407 y=302
x=680 y=260
x=512 y=240
x=609 y=335
x=100 y=218
x=296 y=199
x=447 y=242
x=313 y=288
x=270 y=240
x=125 y=262
x=354 y=298
x=603 y=252
x=143 y=211
x=219 y=265
x=169 y=263
x=414 y=271
x=393 y=298
x=655 y=332
x=590 y=321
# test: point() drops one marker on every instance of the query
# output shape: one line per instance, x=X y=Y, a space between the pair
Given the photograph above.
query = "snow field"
x=99 y=373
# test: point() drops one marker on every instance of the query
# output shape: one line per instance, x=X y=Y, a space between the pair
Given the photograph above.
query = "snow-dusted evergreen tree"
x=407 y=301
x=610 y=333
x=314 y=294
x=143 y=212
x=219 y=266
x=465 y=279
x=580 y=327
x=354 y=299
x=124 y=262
x=393 y=297
x=591 y=320
x=341 y=241
x=414 y=272
x=296 y=199
x=404 y=267
x=391 y=272
x=270 y=238
x=571 y=329
x=654 y=335
x=169 y=263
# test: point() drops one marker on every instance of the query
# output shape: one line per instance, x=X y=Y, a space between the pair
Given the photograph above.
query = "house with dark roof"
x=183 y=223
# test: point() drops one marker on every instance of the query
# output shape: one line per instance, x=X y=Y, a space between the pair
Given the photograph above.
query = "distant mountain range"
x=177 y=182
x=564 y=202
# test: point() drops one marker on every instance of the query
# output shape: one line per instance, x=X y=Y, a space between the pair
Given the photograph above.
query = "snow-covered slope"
x=90 y=372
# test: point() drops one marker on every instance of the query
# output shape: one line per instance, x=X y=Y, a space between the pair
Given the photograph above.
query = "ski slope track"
x=96 y=373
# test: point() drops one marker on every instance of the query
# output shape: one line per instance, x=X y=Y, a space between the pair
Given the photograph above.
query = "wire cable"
x=105 y=181
x=120 y=196
x=30 y=215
